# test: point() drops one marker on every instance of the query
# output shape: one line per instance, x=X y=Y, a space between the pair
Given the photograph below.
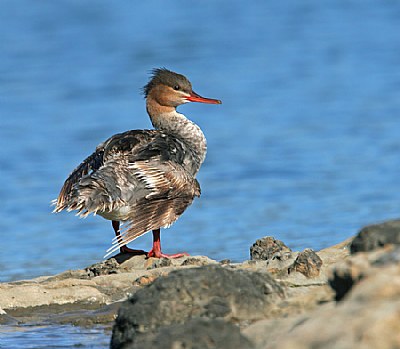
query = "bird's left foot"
x=156 y=250
x=126 y=249
x=159 y=254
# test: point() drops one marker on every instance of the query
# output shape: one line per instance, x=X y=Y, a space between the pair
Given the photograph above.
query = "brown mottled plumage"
x=143 y=177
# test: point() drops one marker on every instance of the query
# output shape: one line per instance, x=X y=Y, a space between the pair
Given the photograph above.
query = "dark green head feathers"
x=169 y=78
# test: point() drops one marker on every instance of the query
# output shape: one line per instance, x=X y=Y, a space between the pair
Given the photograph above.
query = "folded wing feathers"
x=172 y=190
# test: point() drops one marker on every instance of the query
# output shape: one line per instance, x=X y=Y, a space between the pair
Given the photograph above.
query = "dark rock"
x=375 y=236
x=268 y=248
x=205 y=292
x=110 y=266
x=197 y=333
x=308 y=263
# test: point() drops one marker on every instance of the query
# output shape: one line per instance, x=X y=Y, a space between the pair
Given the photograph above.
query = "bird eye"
x=177 y=88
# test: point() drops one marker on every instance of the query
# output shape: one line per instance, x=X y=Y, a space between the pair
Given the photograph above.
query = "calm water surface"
x=53 y=337
x=305 y=146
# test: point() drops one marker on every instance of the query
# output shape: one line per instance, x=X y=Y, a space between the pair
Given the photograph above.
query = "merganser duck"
x=146 y=178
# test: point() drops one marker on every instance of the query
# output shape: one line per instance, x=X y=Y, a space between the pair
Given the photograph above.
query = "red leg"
x=156 y=250
x=124 y=249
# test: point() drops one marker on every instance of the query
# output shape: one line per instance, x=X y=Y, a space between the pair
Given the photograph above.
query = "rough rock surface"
x=108 y=267
x=204 y=292
x=348 y=301
x=367 y=317
x=268 y=248
x=346 y=274
x=197 y=333
x=375 y=236
x=91 y=289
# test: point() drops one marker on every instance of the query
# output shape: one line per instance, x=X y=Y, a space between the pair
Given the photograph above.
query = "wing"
x=171 y=189
x=87 y=180
x=89 y=165
x=104 y=182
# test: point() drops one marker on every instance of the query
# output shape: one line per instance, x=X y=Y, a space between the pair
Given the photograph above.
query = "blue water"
x=51 y=337
x=305 y=146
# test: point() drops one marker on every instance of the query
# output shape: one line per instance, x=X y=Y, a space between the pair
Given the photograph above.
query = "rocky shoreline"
x=345 y=296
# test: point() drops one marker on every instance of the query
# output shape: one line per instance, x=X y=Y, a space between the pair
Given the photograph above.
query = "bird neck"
x=168 y=120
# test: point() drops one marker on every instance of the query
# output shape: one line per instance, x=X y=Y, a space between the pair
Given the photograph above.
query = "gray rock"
x=375 y=236
x=197 y=333
x=268 y=248
x=204 y=292
x=308 y=263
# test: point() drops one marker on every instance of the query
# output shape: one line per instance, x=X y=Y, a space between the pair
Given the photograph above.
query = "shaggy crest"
x=166 y=77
